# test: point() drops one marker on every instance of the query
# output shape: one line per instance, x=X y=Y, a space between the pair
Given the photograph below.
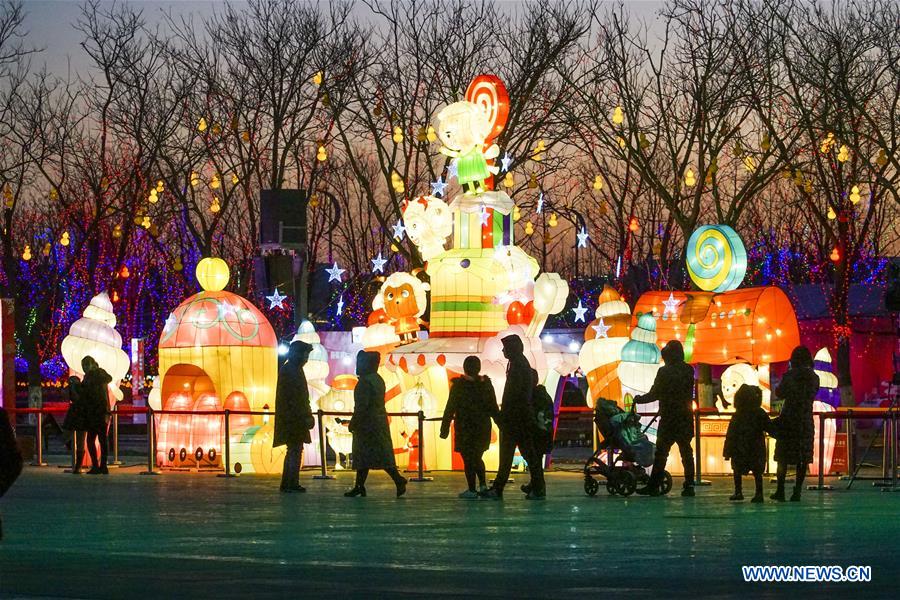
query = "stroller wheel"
x=612 y=483
x=591 y=486
x=665 y=486
x=627 y=483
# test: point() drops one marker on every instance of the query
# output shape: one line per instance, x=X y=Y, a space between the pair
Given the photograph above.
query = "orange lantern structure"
x=752 y=325
x=215 y=345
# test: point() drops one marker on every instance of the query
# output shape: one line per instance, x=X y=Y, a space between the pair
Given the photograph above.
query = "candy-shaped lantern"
x=716 y=258
x=602 y=350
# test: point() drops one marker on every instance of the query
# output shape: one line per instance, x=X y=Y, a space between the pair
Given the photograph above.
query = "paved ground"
x=198 y=536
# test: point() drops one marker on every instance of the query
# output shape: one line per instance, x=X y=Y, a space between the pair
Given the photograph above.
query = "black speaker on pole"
x=282 y=219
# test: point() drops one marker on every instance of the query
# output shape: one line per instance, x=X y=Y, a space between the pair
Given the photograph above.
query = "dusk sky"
x=50 y=24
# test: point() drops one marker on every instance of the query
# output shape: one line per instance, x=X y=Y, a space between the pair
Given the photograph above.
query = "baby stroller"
x=628 y=452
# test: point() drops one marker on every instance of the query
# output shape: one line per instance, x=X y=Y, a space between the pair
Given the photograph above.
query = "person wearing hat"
x=673 y=388
x=293 y=415
x=517 y=423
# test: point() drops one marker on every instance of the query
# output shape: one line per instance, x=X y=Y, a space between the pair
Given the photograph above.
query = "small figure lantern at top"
x=467 y=129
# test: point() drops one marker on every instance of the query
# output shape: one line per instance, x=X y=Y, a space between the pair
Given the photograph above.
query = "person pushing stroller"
x=674 y=389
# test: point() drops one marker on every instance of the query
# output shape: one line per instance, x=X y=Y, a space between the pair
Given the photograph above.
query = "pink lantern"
x=207 y=430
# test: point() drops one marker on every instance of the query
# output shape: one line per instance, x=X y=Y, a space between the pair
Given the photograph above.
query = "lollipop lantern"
x=716 y=258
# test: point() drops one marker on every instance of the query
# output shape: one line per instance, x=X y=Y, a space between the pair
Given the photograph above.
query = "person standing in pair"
x=517 y=422
x=673 y=388
x=74 y=422
x=372 y=445
x=793 y=429
x=95 y=398
x=472 y=404
x=745 y=440
x=293 y=415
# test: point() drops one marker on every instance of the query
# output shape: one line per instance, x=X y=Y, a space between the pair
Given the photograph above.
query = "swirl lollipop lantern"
x=489 y=94
x=716 y=258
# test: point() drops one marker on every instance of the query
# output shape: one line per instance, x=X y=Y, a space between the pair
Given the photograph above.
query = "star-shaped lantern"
x=601 y=328
x=671 y=305
x=378 y=264
x=276 y=300
x=582 y=238
x=334 y=273
x=580 y=311
x=399 y=230
x=438 y=187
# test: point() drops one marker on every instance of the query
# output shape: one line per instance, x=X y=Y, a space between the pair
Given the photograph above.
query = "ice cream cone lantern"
x=94 y=335
x=602 y=350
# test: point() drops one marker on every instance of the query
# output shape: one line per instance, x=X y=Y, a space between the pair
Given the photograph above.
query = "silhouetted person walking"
x=293 y=415
x=673 y=388
x=372 y=445
x=517 y=422
x=10 y=457
x=745 y=440
x=793 y=429
x=95 y=395
x=471 y=405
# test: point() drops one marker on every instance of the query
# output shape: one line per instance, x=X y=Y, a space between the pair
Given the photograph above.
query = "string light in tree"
x=598 y=183
x=378 y=264
x=854 y=195
x=618 y=116
x=335 y=273
x=276 y=300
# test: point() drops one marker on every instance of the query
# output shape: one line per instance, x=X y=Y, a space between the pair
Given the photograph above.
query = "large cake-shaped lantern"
x=482 y=288
x=217 y=351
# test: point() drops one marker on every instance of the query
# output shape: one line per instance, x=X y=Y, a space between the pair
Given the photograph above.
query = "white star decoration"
x=378 y=264
x=671 y=305
x=579 y=311
x=399 y=230
x=582 y=238
x=452 y=170
x=601 y=328
x=540 y=204
x=334 y=273
x=485 y=215
x=438 y=187
x=505 y=162
x=171 y=321
x=276 y=300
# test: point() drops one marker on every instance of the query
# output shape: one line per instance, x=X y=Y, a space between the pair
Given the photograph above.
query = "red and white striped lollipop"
x=489 y=94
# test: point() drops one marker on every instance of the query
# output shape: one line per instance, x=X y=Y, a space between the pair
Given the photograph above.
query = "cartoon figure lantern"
x=213 y=345
x=339 y=399
x=428 y=224
x=402 y=298
x=466 y=127
x=825 y=401
x=94 y=335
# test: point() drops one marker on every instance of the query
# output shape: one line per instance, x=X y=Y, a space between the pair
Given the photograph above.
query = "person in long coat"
x=74 y=422
x=293 y=414
x=94 y=394
x=517 y=423
x=471 y=405
x=745 y=440
x=794 y=430
x=372 y=445
x=10 y=457
x=673 y=388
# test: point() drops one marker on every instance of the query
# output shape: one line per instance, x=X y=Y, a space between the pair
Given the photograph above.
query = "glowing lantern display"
x=640 y=358
x=339 y=399
x=716 y=258
x=428 y=223
x=482 y=288
x=753 y=325
x=602 y=350
x=216 y=344
x=94 y=335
